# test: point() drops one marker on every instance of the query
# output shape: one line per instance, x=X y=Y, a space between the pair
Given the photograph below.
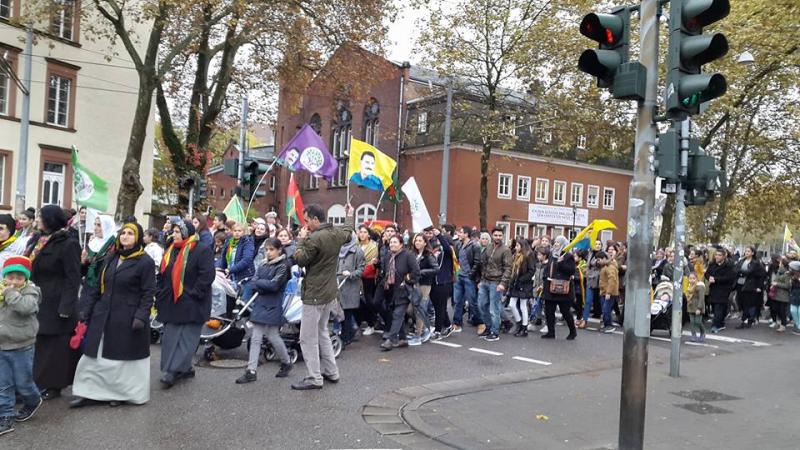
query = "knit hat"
x=18 y=264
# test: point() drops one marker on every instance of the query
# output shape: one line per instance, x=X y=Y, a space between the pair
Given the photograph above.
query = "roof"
x=425 y=75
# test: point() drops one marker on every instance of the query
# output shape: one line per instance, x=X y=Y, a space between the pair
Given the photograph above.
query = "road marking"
x=660 y=339
x=732 y=340
x=446 y=344
x=488 y=352
x=701 y=344
x=535 y=361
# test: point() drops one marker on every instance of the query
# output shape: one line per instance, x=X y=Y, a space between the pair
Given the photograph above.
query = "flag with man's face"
x=369 y=167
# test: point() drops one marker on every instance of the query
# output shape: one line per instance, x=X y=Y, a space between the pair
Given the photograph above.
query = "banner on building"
x=558 y=215
x=420 y=219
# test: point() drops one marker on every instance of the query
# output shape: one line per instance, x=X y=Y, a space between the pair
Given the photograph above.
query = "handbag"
x=558 y=287
x=772 y=293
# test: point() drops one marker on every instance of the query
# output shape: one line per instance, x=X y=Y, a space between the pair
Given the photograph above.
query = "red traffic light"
x=607 y=29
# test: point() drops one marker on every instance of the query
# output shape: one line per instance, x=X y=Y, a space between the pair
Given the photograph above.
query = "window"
x=336 y=214
x=272 y=183
x=541 y=230
x=608 y=198
x=316 y=123
x=371 y=111
x=593 y=196
x=576 y=197
x=581 y=142
x=5 y=178
x=511 y=126
x=212 y=192
x=559 y=192
x=524 y=188
x=60 y=102
x=422 y=122
x=605 y=236
x=233 y=192
x=222 y=193
x=62 y=20
x=521 y=230
x=340 y=144
x=558 y=231
x=5 y=92
x=505 y=226
x=8 y=90
x=5 y=9
x=365 y=213
x=313 y=182
x=542 y=188
x=504 y=185
x=53 y=184
x=573 y=232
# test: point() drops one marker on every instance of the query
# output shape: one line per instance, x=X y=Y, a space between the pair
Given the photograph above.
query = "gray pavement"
x=210 y=411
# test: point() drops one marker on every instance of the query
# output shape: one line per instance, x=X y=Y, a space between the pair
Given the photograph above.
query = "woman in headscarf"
x=115 y=366
x=101 y=244
x=561 y=267
x=183 y=301
x=259 y=237
x=57 y=271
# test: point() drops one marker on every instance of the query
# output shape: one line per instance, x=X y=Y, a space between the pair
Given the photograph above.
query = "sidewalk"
x=739 y=400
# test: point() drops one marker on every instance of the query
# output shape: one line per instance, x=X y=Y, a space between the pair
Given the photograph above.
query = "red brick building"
x=222 y=187
x=399 y=109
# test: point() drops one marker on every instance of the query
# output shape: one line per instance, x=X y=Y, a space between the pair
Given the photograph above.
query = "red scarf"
x=179 y=268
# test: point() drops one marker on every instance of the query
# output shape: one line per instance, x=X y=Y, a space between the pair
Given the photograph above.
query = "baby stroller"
x=226 y=330
x=661 y=307
x=290 y=330
x=156 y=327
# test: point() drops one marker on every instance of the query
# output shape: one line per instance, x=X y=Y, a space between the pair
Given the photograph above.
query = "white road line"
x=446 y=344
x=732 y=340
x=660 y=339
x=488 y=352
x=701 y=344
x=535 y=361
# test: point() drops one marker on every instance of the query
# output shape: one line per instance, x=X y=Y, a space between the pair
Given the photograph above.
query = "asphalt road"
x=211 y=411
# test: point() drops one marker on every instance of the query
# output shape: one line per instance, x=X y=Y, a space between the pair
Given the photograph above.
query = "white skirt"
x=109 y=380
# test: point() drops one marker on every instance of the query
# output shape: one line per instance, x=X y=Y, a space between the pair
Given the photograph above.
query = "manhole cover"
x=704 y=395
x=703 y=408
x=228 y=363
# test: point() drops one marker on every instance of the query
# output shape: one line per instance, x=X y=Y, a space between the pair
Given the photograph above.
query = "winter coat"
x=783 y=285
x=206 y=238
x=428 y=268
x=753 y=275
x=592 y=272
x=242 y=266
x=319 y=255
x=609 y=279
x=57 y=272
x=696 y=298
x=563 y=269
x=18 y=324
x=794 y=293
x=406 y=275
x=194 y=306
x=521 y=283
x=444 y=261
x=724 y=278
x=538 y=280
x=469 y=257
x=621 y=260
x=270 y=282
x=128 y=295
x=496 y=265
x=350 y=292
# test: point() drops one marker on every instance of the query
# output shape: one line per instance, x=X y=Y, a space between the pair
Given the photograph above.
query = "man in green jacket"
x=318 y=252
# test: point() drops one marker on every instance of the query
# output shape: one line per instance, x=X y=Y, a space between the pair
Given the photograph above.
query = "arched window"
x=371 y=122
x=365 y=213
x=341 y=131
x=316 y=123
x=336 y=214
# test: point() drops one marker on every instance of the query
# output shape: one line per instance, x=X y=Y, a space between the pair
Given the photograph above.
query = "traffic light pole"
x=191 y=202
x=680 y=243
x=640 y=238
x=242 y=143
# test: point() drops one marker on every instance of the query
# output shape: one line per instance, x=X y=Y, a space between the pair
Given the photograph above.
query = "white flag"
x=420 y=218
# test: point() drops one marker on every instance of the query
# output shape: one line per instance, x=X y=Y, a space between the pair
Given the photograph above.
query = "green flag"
x=393 y=193
x=90 y=190
x=234 y=210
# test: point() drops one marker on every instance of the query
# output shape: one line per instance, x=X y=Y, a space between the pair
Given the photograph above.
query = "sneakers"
x=781 y=329
x=283 y=372
x=415 y=341
x=426 y=335
x=544 y=330
x=26 y=412
x=435 y=336
x=485 y=333
x=492 y=337
x=456 y=328
x=581 y=324
x=369 y=331
x=306 y=384
x=773 y=324
x=481 y=330
x=609 y=329
x=447 y=331
x=742 y=325
x=386 y=345
x=248 y=377
x=6 y=425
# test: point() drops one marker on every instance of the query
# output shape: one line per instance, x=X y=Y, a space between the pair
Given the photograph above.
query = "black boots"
x=522 y=330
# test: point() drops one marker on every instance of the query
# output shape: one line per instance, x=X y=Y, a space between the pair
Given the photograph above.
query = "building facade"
x=81 y=95
x=222 y=187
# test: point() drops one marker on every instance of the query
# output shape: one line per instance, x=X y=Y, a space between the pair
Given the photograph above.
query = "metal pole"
x=242 y=142
x=255 y=191
x=191 y=202
x=640 y=239
x=680 y=237
x=24 y=125
x=445 y=157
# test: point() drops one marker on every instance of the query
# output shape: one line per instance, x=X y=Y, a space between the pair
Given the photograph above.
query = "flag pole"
x=378 y=206
x=255 y=191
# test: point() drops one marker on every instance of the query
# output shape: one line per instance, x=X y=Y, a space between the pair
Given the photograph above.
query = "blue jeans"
x=608 y=306
x=465 y=292
x=536 y=309
x=491 y=305
x=587 y=307
x=794 y=310
x=16 y=375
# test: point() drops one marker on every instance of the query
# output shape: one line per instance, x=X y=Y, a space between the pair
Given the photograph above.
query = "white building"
x=81 y=95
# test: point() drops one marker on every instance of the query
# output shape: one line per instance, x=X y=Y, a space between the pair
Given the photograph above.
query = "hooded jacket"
x=18 y=323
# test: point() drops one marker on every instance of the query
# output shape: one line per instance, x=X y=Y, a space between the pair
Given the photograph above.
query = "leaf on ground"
x=542 y=418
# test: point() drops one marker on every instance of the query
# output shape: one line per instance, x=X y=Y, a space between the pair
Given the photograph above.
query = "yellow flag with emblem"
x=369 y=167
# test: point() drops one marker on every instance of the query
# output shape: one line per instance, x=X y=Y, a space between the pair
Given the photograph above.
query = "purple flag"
x=306 y=151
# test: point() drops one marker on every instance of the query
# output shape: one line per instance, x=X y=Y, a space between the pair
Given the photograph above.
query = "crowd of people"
x=77 y=297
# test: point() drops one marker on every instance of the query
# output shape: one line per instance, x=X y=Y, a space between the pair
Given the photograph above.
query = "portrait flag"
x=294 y=203
x=420 y=219
x=91 y=191
x=369 y=167
x=306 y=151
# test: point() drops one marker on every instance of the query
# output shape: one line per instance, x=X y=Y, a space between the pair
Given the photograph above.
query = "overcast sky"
x=401 y=34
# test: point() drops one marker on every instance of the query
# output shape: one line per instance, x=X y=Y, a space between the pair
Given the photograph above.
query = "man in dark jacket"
x=464 y=291
x=318 y=252
x=720 y=276
x=442 y=289
x=495 y=275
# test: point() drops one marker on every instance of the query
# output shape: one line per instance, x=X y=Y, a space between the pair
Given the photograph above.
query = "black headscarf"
x=138 y=246
x=53 y=218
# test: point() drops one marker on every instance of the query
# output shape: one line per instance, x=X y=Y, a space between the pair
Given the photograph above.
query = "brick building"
x=222 y=187
x=400 y=109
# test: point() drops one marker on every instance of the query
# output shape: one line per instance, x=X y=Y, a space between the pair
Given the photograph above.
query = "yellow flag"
x=369 y=167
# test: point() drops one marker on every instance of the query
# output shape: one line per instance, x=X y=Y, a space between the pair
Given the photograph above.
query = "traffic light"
x=609 y=62
x=202 y=188
x=703 y=179
x=253 y=170
x=668 y=158
x=186 y=182
x=689 y=49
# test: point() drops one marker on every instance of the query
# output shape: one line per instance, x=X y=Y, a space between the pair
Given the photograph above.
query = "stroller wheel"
x=155 y=336
x=337 y=344
x=269 y=353
x=294 y=355
x=209 y=354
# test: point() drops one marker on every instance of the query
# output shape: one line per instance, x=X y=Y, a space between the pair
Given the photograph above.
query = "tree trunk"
x=131 y=186
x=718 y=228
x=485 y=155
x=667 y=223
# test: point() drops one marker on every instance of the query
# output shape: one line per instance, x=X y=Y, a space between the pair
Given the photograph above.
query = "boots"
x=522 y=331
x=284 y=370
